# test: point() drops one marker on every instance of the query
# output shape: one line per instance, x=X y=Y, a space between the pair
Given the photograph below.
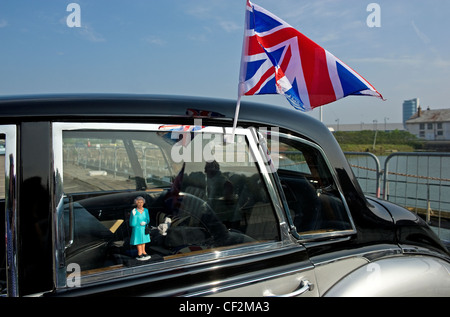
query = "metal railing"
x=114 y=159
x=367 y=169
x=418 y=181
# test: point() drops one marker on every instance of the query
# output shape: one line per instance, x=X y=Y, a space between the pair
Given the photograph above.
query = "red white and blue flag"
x=180 y=134
x=278 y=59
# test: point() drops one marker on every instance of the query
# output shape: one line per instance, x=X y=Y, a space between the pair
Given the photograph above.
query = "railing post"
x=378 y=172
x=428 y=204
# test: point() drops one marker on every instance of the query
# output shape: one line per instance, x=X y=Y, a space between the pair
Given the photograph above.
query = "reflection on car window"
x=314 y=201
x=104 y=164
x=201 y=195
x=2 y=166
x=2 y=215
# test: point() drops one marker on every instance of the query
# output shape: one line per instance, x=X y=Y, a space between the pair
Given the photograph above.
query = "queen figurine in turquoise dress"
x=139 y=218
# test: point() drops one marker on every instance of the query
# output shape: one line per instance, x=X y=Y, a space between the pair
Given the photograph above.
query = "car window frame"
x=173 y=264
x=10 y=221
x=306 y=238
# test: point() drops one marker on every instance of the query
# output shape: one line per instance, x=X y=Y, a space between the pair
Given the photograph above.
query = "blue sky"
x=193 y=47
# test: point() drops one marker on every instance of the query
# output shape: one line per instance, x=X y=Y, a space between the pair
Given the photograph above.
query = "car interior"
x=210 y=205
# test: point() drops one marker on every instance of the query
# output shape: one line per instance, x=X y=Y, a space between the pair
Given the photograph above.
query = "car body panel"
x=396 y=277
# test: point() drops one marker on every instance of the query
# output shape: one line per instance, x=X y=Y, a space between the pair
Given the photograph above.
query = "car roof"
x=123 y=107
x=56 y=107
x=146 y=108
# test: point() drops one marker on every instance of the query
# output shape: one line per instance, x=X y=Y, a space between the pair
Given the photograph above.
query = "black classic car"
x=272 y=209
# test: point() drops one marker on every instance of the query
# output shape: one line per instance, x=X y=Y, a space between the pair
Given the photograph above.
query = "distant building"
x=409 y=109
x=432 y=125
x=367 y=126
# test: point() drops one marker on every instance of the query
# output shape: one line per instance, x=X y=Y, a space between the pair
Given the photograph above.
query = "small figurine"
x=139 y=218
x=164 y=226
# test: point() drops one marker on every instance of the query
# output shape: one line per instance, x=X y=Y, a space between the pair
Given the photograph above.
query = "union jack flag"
x=180 y=134
x=203 y=113
x=278 y=59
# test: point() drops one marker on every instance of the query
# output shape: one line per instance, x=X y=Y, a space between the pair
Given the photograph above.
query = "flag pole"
x=230 y=138
x=241 y=85
x=236 y=115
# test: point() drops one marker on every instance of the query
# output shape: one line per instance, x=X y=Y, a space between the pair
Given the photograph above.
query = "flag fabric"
x=180 y=134
x=203 y=113
x=278 y=59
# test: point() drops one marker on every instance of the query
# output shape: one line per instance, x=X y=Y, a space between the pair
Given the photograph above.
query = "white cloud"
x=214 y=11
x=88 y=33
x=425 y=39
x=387 y=60
x=200 y=11
x=230 y=26
x=155 y=40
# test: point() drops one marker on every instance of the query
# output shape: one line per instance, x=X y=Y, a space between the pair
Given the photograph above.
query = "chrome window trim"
x=270 y=177
x=234 y=251
x=267 y=173
x=213 y=257
x=325 y=235
x=10 y=132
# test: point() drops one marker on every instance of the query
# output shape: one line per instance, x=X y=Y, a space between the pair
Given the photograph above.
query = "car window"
x=2 y=215
x=7 y=209
x=315 y=203
x=202 y=195
x=2 y=166
x=93 y=163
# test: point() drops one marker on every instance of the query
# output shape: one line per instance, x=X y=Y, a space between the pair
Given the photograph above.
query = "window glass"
x=291 y=159
x=2 y=166
x=2 y=216
x=201 y=195
x=97 y=164
x=314 y=201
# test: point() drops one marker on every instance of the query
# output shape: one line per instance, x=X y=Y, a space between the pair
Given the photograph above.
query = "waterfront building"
x=430 y=125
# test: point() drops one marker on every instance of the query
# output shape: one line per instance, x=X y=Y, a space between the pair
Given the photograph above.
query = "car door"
x=317 y=210
x=289 y=274
x=289 y=278
x=228 y=233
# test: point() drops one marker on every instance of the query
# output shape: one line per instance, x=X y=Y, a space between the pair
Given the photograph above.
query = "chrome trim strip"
x=213 y=288
x=237 y=252
x=417 y=250
x=276 y=187
x=10 y=132
x=258 y=151
x=59 y=270
x=369 y=253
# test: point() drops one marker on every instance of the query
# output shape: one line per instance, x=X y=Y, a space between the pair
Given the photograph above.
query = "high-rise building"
x=409 y=108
